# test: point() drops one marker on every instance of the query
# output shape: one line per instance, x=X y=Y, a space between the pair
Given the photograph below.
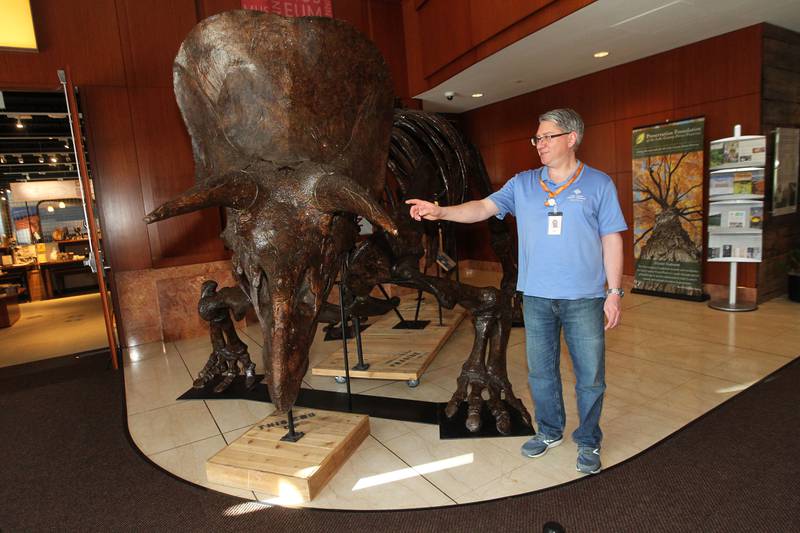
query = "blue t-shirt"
x=567 y=266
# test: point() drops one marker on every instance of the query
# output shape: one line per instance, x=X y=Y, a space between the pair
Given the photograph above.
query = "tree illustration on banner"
x=668 y=208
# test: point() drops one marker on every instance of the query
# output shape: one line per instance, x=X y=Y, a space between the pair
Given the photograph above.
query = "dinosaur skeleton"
x=291 y=123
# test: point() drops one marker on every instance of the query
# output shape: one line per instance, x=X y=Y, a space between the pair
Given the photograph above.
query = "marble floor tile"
x=384 y=429
x=155 y=382
x=136 y=354
x=535 y=475
x=168 y=427
x=373 y=478
x=456 y=466
x=235 y=414
x=188 y=462
x=749 y=367
x=231 y=436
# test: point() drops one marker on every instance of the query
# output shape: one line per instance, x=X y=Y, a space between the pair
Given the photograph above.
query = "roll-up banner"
x=668 y=209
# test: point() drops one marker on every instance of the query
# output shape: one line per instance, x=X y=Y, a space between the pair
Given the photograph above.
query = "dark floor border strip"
x=45 y=365
x=377 y=406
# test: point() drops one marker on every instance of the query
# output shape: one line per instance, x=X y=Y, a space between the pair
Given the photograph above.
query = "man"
x=568 y=224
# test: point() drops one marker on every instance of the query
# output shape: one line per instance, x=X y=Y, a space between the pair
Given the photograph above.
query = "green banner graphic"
x=668 y=208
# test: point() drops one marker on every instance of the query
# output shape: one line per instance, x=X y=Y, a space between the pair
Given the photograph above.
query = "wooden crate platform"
x=260 y=461
x=399 y=354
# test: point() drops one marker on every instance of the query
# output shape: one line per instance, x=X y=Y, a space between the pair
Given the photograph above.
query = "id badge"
x=554 y=221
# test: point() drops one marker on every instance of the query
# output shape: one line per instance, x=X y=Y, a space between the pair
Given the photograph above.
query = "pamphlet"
x=736 y=219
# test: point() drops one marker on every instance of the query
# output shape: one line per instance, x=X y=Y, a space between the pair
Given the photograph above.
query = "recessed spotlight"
x=50 y=209
x=20 y=125
x=477 y=95
x=2 y=159
x=53 y=159
x=20 y=160
x=61 y=205
x=600 y=54
x=41 y=158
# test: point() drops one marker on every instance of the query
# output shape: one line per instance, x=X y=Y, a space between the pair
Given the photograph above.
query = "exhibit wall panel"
x=151 y=33
x=119 y=192
x=93 y=53
x=652 y=90
x=167 y=170
x=780 y=108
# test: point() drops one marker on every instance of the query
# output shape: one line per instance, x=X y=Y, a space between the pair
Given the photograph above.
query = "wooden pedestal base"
x=399 y=354
x=260 y=461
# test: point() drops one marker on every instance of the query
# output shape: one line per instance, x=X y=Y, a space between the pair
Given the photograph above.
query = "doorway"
x=51 y=302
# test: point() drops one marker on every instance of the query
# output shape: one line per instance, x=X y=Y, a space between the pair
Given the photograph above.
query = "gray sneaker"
x=588 y=460
x=539 y=444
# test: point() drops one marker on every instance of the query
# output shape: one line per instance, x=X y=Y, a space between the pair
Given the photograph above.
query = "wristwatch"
x=615 y=291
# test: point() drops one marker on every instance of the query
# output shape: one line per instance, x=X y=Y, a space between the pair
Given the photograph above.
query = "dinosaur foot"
x=499 y=398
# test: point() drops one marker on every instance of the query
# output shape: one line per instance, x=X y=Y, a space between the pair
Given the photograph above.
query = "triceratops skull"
x=290 y=122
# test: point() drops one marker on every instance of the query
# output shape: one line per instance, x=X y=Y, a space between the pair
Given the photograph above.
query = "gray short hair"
x=566 y=119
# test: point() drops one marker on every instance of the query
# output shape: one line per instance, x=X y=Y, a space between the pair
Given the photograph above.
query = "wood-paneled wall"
x=444 y=37
x=780 y=108
x=719 y=78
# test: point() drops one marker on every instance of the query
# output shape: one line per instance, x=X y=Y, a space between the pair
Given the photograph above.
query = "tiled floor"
x=668 y=363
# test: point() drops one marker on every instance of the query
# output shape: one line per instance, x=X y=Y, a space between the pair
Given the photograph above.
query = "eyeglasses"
x=547 y=137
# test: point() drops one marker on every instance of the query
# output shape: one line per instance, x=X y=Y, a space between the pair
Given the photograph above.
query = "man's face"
x=558 y=149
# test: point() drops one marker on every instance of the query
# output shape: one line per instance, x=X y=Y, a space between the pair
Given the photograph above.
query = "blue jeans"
x=583 y=325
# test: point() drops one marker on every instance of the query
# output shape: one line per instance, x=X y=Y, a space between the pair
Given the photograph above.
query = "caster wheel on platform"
x=341 y=380
x=412 y=383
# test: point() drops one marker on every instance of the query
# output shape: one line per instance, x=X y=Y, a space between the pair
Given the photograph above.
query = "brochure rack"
x=736 y=207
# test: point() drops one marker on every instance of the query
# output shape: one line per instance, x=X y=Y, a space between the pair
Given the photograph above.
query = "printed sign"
x=292 y=8
x=668 y=208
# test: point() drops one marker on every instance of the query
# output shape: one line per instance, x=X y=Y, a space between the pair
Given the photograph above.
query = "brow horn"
x=238 y=192
x=335 y=192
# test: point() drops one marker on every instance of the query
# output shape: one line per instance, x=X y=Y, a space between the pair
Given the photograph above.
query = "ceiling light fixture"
x=61 y=205
x=20 y=160
x=53 y=159
x=2 y=159
x=20 y=125
x=477 y=95
x=50 y=209
x=41 y=158
x=600 y=54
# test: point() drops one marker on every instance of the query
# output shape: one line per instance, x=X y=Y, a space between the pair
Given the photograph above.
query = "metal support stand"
x=343 y=316
x=416 y=323
x=731 y=304
x=359 y=350
x=292 y=436
x=439 y=275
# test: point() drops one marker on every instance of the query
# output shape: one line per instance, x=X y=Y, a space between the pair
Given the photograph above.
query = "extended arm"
x=612 y=260
x=468 y=212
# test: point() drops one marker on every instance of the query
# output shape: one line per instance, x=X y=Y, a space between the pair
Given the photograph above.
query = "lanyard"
x=552 y=194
